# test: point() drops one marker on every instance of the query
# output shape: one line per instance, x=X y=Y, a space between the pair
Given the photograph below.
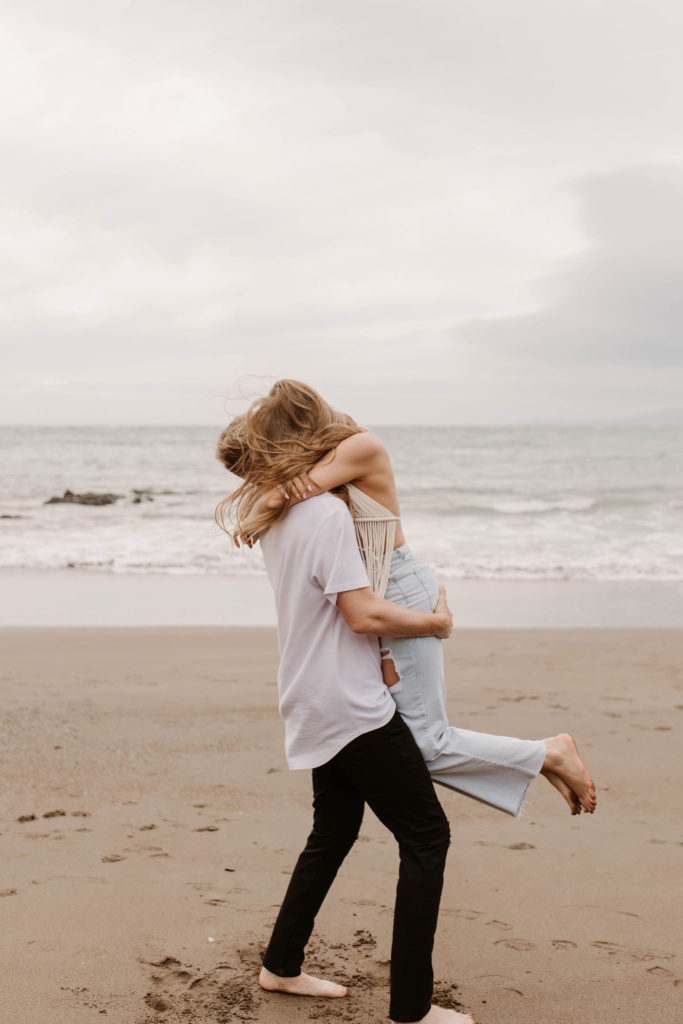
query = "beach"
x=160 y=824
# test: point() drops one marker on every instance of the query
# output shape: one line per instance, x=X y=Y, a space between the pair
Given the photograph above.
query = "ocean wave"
x=514 y=504
x=617 y=573
x=525 y=564
x=538 y=506
x=518 y=506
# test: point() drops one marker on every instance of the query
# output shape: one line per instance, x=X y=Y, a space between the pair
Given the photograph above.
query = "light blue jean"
x=495 y=770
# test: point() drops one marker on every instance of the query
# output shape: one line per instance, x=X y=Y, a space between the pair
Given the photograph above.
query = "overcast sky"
x=458 y=211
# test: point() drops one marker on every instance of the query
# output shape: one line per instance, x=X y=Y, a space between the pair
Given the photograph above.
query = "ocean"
x=588 y=502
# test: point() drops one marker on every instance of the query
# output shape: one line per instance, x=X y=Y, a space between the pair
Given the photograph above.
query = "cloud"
x=194 y=190
x=619 y=301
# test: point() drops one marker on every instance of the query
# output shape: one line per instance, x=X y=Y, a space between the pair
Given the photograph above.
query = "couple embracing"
x=361 y=686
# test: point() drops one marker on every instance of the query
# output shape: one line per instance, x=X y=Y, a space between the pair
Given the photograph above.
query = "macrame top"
x=375 y=532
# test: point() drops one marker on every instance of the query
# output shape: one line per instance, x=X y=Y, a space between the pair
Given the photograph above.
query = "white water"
x=487 y=503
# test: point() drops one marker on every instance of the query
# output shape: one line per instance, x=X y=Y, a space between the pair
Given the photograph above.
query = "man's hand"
x=365 y=612
x=444 y=613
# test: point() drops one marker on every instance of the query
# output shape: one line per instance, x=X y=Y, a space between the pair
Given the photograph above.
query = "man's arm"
x=364 y=612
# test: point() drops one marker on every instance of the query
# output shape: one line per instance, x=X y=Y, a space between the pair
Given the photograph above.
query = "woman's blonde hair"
x=280 y=436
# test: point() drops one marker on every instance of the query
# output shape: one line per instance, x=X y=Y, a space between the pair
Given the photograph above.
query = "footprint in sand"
x=445 y=994
x=499 y=924
x=8 y=892
x=646 y=955
x=211 y=995
x=613 y=949
x=111 y=858
x=563 y=944
x=251 y=956
x=520 y=846
x=520 y=944
x=468 y=915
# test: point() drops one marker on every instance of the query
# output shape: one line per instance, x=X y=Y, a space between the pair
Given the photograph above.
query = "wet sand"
x=84 y=597
x=162 y=823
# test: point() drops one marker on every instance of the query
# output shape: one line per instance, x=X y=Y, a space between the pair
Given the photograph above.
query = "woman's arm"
x=354 y=459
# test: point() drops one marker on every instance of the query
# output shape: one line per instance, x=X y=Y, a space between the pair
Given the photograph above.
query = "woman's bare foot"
x=562 y=787
x=562 y=759
x=301 y=985
x=437 y=1015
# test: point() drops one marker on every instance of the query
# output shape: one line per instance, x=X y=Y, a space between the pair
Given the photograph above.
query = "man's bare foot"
x=562 y=787
x=301 y=985
x=562 y=758
x=437 y=1015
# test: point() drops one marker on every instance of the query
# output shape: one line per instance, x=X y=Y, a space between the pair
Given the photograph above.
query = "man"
x=341 y=722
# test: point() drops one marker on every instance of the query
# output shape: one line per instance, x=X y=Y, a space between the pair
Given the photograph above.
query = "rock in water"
x=140 y=495
x=88 y=498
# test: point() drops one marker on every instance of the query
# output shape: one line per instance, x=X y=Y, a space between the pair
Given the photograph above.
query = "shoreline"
x=77 y=597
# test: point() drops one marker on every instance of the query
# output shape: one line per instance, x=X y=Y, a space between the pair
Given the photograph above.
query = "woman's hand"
x=297 y=489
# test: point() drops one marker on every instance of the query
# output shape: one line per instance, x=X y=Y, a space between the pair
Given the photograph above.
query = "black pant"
x=385 y=768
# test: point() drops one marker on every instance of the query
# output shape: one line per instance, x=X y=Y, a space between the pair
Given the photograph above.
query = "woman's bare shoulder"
x=364 y=445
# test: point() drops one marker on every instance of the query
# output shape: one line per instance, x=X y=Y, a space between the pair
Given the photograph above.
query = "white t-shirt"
x=330 y=678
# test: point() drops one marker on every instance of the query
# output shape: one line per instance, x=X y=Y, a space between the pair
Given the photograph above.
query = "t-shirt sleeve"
x=337 y=564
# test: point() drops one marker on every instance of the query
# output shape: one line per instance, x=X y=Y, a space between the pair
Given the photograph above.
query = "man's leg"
x=337 y=816
x=386 y=767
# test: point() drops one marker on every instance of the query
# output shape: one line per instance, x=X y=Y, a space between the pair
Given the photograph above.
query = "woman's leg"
x=496 y=770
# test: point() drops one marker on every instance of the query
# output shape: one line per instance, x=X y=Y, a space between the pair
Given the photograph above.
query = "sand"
x=163 y=823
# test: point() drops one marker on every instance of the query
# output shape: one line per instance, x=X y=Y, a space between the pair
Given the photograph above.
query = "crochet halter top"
x=375 y=532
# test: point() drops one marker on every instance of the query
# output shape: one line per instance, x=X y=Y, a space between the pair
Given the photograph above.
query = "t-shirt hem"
x=321 y=758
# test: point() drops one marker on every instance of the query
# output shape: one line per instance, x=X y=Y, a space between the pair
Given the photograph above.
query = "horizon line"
x=645 y=420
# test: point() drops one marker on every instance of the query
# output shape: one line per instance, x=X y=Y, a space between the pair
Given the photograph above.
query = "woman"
x=290 y=446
